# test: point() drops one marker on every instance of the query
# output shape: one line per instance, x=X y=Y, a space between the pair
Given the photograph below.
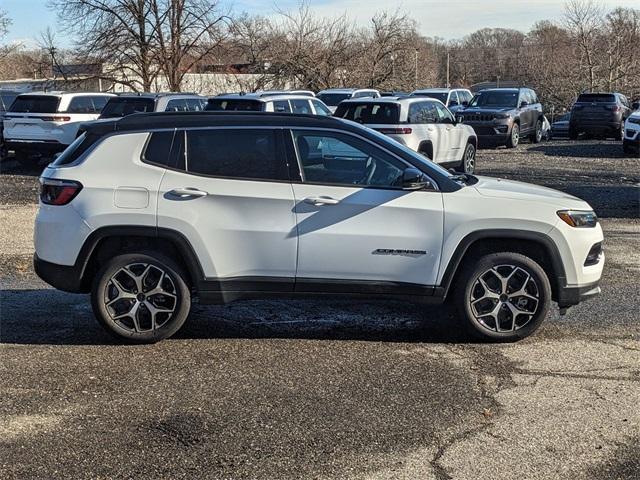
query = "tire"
x=514 y=136
x=573 y=134
x=473 y=299
x=536 y=136
x=468 y=163
x=141 y=269
x=23 y=157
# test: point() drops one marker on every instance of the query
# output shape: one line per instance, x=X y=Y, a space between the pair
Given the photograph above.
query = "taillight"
x=58 y=192
x=395 y=131
x=614 y=108
x=55 y=119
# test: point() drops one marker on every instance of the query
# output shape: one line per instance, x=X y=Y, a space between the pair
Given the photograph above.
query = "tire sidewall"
x=514 y=142
x=470 y=275
x=177 y=276
x=464 y=160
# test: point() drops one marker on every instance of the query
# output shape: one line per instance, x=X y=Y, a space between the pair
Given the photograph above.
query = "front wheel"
x=468 y=164
x=503 y=297
x=514 y=138
x=141 y=297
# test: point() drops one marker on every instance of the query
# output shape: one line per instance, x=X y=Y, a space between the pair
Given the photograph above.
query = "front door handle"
x=321 y=201
x=188 y=192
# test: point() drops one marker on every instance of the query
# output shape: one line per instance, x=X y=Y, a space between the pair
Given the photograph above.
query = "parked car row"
x=445 y=124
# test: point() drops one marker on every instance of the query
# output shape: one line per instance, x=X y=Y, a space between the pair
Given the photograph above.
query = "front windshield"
x=333 y=99
x=495 y=99
x=442 y=96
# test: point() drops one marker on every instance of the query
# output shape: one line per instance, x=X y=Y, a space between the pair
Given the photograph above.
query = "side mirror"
x=465 y=103
x=414 y=179
x=459 y=119
x=448 y=120
x=635 y=106
x=524 y=103
x=453 y=103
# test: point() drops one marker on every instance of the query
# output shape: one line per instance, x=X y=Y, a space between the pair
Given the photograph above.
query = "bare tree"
x=120 y=34
x=5 y=49
x=583 y=19
x=186 y=31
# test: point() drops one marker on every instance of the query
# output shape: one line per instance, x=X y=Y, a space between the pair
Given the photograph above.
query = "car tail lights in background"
x=395 y=131
x=58 y=192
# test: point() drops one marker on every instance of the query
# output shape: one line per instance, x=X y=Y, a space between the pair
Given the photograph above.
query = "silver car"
x=422 y=124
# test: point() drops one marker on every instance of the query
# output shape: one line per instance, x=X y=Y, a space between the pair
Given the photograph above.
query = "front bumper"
x=573 y=295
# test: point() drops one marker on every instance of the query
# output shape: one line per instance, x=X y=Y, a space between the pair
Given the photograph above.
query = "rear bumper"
x=62 y=277
x=573 y=295
x=36 y=146
x=595 y=126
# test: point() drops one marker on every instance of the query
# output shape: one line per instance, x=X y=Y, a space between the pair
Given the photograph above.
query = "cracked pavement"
x=331 y=388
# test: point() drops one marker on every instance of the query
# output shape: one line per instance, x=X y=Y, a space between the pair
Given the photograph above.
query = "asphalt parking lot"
x=330 y=389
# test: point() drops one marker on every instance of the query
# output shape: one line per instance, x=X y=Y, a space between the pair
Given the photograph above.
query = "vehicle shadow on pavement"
x=50 y=317
x=581 y=150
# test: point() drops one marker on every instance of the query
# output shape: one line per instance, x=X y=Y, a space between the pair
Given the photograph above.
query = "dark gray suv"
x=502 y=116
x=599 y=114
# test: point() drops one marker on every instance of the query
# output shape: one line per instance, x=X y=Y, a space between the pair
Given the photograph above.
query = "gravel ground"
x=330 y=389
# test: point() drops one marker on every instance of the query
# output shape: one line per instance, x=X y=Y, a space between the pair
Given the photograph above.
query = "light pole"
x=415 y=81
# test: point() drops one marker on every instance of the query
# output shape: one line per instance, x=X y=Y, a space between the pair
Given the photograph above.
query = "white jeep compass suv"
x=152 y=211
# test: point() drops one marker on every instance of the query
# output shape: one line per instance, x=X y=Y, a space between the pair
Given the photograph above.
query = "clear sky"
x=442 y=18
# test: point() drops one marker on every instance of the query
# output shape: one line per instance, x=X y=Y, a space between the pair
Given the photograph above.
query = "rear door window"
x=230 y=153
x=281 y=106
x=177 y=105
x=83 y=104
x=370 y=112
x=423 y=112
x=35 y=104
x=246 y=105
x=301 y=106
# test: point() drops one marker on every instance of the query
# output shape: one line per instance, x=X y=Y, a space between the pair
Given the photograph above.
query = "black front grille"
x=594 y=255
x=478 y=117
x=484 y=130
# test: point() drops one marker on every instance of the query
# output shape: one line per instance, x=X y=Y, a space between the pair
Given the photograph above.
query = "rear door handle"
x=188 y=192
x=321 y=201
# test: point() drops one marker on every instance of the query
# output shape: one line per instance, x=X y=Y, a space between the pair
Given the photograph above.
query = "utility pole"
x=415 y=81
x=448 y=60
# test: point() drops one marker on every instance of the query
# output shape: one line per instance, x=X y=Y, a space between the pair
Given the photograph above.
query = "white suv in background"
x=48 y=122
x=422 y=124
x=153 y=210
x=260 y=102
x=631 y=139
x=333 y=96
x=454 y=98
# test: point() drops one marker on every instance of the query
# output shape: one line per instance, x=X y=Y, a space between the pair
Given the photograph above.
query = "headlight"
x=502 y=115
x=634 y=120
x=578 y=218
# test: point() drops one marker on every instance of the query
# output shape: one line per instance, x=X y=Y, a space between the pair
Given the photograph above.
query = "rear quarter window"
x=74 y=151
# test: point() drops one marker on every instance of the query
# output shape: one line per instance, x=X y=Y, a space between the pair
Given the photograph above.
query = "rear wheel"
x=503 y=297
x=536 y=136
x=573 y=134
x=141 y=297
x=468 y=164
x=514 y=137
